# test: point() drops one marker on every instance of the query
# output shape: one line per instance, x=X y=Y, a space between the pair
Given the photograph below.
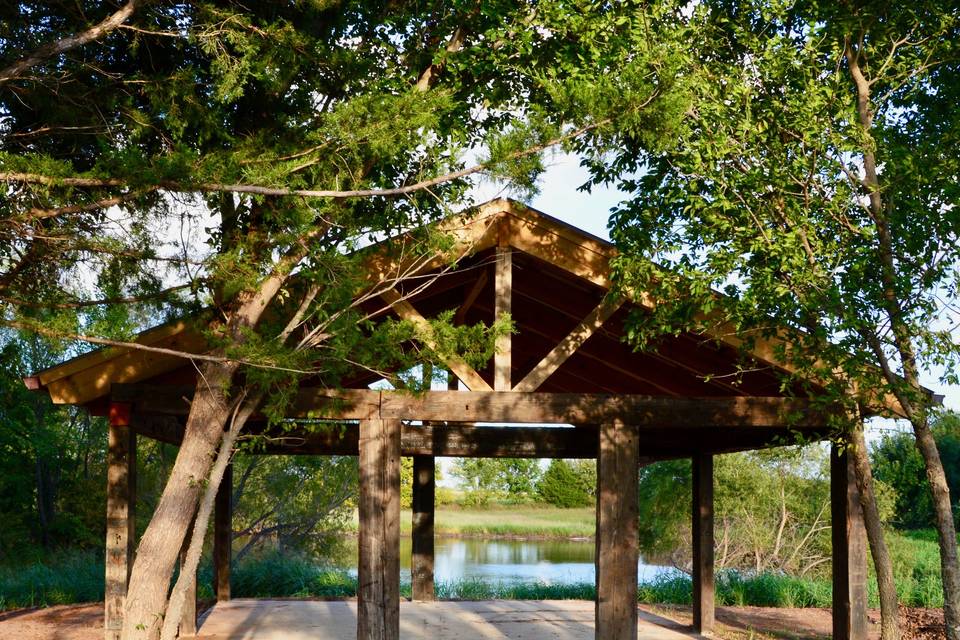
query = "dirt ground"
x=85 y=622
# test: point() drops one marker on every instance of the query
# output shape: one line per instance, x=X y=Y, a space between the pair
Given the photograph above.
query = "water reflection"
x=506 y=561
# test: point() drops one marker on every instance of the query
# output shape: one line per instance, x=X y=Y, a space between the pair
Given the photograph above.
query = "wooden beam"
x=568 y=346
x=848 y=539
x=163 y=428
x=421 y=559
x=502 y=306
x=568 y=408
x=495 y=406
x=455 y=440
x=405 y=310
x=703 y=584
x=616 y=538
x=378 y=570
x=223 y=536
x=121 y=508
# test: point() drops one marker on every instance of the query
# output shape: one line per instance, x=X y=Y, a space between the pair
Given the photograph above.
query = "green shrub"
x=561 y=486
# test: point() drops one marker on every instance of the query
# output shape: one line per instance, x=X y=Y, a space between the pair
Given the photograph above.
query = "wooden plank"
x=498 y=406
x=378 y=570
x=223 y=536
x=467 y=441
x=121 y=507
x=567 y=408
x=848 y=539
x=616 y=538
x=174 y=400
x=568 y=346
x=703 y=583
x=405 y=310
x=421 y=559
x=502 y=306
x=188 y=617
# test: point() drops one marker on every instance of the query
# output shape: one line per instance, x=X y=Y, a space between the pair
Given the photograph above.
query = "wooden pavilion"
x=693 y=397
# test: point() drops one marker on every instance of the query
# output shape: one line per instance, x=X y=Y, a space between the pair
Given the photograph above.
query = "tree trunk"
x=889 y=624
x=946 y=530
x=160 y=545
x=902 y=338
x=161 y=542
x=188 y=574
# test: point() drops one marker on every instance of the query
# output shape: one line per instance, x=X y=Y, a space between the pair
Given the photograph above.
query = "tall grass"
x=78 y=577
x=64 y=578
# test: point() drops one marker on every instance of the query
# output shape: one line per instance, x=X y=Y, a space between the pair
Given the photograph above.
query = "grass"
x=66 y=578
x=530 y=521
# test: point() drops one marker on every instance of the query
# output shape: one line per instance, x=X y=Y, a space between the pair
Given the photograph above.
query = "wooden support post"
x=703 y=589
x=616 y=537
x=421 y=561
x=121 y=507
x=378 y=592
x=188 y=618
x=502 y=380
x=223 y=536
x=849 y=540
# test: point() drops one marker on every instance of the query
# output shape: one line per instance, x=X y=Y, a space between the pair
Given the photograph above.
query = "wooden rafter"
x=568 y=346
x=502 y=360
x=458 y=365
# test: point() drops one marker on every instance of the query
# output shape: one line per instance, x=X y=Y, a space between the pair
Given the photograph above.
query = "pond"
x=497 y=560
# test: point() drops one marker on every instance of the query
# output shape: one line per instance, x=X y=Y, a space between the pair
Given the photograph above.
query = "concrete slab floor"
x=249 y=619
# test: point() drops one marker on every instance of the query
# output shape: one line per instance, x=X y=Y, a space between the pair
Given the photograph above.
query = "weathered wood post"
x=121 y=507
x=617 y=553
x=848 y=538
x=503 y=304
x=703 y=586
x=378 y=570
x=421 y=562
x=223 y=536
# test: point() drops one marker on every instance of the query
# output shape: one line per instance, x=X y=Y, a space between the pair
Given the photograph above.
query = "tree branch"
x=33 y=178
x=63 y=45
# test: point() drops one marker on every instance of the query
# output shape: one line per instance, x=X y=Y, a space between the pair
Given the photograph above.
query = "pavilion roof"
x=560 y=305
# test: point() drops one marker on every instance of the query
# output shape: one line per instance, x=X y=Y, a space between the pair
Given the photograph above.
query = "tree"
x=772 y=511
x=897 y=462
x=814 y=183
x=293 y=502
x=294 y=132
x=562 y=486
x=484 y=478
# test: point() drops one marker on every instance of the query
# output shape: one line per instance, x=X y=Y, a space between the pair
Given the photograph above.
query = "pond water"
x=507 y=561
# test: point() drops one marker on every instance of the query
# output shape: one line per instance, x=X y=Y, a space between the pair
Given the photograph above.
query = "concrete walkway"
x=249 y=619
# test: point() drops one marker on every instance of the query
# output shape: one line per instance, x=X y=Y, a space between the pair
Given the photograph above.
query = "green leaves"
x=764 y=196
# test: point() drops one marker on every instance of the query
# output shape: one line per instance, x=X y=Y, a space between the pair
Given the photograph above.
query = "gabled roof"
x=561 y=276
